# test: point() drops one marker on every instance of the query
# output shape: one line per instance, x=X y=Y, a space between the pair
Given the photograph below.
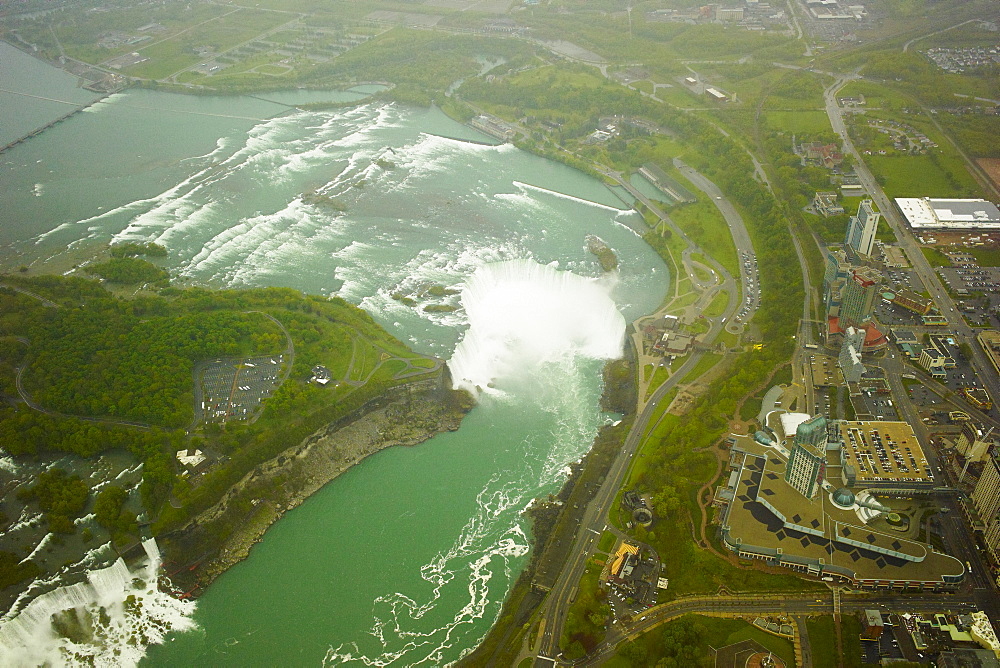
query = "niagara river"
x=406 y=558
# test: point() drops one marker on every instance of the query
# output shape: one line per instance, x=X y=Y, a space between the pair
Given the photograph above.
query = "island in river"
x=238 y=405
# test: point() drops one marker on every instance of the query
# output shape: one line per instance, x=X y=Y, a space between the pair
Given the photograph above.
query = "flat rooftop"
x=818 y=531
x=990 y=341
x=825 y=371
x=927 y=212
x=884 y=452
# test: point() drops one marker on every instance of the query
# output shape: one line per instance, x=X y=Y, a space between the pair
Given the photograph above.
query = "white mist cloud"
x=526 y=318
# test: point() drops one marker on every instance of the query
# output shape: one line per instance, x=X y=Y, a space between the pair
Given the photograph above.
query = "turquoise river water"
x=405 y=559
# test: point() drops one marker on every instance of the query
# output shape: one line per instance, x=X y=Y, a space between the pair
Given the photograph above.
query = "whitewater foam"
x=572 y=198
x=524 y=316
x=115 y=614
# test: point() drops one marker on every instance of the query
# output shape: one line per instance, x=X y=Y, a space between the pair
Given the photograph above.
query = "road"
x=738 y=230
x=906 y=240
x=956 y=534
x=774 y=604
x=594 y=520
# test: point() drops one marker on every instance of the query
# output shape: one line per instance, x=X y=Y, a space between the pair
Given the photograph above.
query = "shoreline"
x=408 y=416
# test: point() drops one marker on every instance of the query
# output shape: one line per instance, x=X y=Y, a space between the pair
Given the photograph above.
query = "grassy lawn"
x=809 y=122
x=704 y=224
x=365 y=359
x=701 y=274
x=876 y=95
x=223 y=33
x=727 y=338
x=660 y=376
x=987 y=257
x=935 y=257
x=687 y=296
x=689 y=640
x=273 y=70
x=718 y=305
x=679 y=97
x=707 y=361
x=607 y=542
x=645 y=86
x=823 y=639
x=913 y=176
x=850 y=631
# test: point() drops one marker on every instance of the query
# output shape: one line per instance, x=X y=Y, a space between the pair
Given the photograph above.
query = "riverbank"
x=223 y=535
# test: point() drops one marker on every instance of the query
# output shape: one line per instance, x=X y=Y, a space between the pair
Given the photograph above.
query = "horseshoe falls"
x=405 y=559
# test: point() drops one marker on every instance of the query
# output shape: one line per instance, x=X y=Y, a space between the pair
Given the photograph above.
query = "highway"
x=774 y=604
x=906 y=240
x=738 y=230
x=978 y=592
x=956 y=533
x=594 y=520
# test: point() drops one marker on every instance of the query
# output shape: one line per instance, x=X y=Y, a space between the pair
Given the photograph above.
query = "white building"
x=850 y=355
x=957 y=214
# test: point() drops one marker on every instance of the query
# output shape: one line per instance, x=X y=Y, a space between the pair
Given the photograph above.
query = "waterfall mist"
x=528 y=320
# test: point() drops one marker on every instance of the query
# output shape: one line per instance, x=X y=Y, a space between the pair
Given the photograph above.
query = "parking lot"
x=893 y=315
x=233 y=389
x=973 y=279
x=870 y=405
x=752 y=298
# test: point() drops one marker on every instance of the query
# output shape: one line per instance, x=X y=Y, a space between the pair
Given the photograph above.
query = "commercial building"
x=850 y=355
x=716 y=94
x=934 y=361
x=978 y=397
x=986 y=493
x=824 y=536
x=826 y=204
x=990 y=341
x=729 y=14
x=834 y=277
x=954 y=214
x=991 y=536
x=824 y=155
x=912 y=301
x=862 y=228
x=872 y=625
x=493 y=126
x=858 y=297
x=974 y=442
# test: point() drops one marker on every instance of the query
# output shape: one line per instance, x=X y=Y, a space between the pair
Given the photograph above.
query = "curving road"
x=771 y=604
x=593 y=521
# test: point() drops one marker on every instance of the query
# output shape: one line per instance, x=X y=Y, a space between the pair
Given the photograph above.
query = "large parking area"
x=875 y=400
x=973 y=279
x=233 y=389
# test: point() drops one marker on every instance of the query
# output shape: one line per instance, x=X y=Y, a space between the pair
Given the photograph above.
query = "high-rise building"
x=806 y=468
x=986 y=495
x=862 y=228
x=974 y=442
x=991 y=536
x=860 y=292
x=850 y=355
x=807 y=459
x=837 y=270
x=812 y=432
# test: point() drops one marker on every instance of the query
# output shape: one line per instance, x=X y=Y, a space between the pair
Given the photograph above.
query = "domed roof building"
x=843 y=498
